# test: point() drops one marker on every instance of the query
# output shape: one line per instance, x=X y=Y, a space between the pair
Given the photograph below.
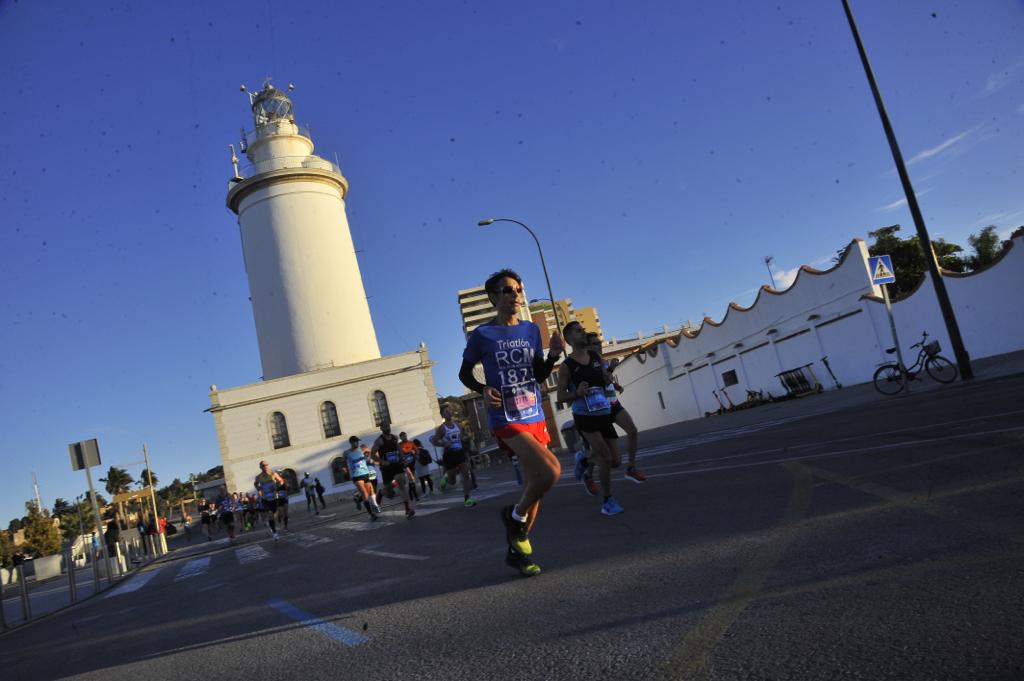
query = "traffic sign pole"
x=895 y=338
x=100 y=529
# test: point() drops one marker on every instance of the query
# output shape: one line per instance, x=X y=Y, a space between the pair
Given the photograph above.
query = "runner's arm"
x=437 y=438
x=492 y=395
x=468 y=379
x=542 y=368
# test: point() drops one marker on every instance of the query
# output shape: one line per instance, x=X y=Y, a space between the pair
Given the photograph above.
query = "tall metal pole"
x=152 y=496
x=952 y=328
x=543 y=265
x=99 y=527
x=768 y=263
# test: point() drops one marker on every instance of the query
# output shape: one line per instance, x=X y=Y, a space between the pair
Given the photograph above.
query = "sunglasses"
x=509 y=290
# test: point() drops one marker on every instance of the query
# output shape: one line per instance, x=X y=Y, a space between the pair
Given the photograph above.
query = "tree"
x=986 y=247
x=15 y=525
x=117 y=481
x=60 y=507
x=908 y=258
x=6 y=550
x=42 y=538
x=145 y=481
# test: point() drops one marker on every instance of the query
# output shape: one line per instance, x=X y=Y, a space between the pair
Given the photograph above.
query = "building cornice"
x=247 y=186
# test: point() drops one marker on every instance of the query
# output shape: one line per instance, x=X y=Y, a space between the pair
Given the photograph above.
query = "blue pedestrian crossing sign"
x=881 y=269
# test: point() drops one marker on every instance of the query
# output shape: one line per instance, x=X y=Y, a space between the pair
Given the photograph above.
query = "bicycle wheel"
x=889 y=380
x=941 y=369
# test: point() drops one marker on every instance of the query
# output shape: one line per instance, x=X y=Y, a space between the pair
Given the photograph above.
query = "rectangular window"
x=729 y=378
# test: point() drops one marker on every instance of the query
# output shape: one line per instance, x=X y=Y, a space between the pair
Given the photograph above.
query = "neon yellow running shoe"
x=515 y=533
x=521 y=563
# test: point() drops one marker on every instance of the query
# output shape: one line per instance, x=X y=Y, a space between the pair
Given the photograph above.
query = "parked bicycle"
x=892 y=377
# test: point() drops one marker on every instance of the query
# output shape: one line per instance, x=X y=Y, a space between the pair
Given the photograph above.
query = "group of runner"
x=267 y=504
x=514 y=365
x=511 y=352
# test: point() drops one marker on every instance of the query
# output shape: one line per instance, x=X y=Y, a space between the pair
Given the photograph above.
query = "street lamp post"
x=952 y=328
x=547 y=279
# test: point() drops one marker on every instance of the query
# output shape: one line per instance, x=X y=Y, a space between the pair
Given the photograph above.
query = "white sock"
x=515 y=515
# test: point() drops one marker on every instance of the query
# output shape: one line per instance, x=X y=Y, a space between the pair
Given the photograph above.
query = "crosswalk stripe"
x=251 y=554
x=134 y=584
x=305 y=539
x=360 y=526
x=193 y=568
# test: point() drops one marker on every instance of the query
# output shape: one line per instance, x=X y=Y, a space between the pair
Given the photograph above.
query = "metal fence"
x=25 y=597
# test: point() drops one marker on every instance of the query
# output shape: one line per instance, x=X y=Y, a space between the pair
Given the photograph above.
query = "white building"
x=835 y=315
x=323 y=377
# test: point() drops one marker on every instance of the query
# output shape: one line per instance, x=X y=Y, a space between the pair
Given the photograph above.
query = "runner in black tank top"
x=385 y=453
x=621 y=417
x=581 y=381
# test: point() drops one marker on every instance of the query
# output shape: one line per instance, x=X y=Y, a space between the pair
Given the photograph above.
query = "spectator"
x=309 y=487
x=187 y=524
x=319 y=492
x=112 y=536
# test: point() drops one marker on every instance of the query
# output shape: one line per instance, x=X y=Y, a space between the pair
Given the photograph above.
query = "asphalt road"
x=882 y=540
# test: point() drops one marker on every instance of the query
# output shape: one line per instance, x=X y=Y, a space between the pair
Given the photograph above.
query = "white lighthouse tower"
x=304 y=281
x=324 y=379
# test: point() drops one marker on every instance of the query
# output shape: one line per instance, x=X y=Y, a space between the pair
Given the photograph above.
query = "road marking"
x=210 y=587
x=359 y=526
x=305 y=539
x=251 y=554
x=826 y=455
x=956 y=515
x=385 y=554
x=693 y=653
x=135 y=583
x=193 y=568
x=340 y=634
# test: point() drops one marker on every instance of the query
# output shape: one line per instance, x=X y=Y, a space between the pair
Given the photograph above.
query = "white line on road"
x=305 y=539
x=251 y=554
x=135 y=583
x=385 y=554
x=844 y=452
x=359 y=526
x=193 y=568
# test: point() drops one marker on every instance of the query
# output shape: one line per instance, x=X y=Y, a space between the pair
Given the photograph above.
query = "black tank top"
x=592 y=373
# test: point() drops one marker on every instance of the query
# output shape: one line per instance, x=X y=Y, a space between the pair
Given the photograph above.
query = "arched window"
x=329 y=420
x=279 y=431
x=379 y=408
x=291 y=480
x=339 y=471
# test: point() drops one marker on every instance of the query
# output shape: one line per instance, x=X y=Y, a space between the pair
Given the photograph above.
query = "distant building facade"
x=591 y=322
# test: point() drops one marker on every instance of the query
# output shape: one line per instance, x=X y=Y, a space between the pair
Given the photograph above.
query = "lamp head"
x=485 y=222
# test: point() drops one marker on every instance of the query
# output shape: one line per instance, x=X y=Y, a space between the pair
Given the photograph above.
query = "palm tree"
x=145 y=480
x=60 y=507
x=117 y=481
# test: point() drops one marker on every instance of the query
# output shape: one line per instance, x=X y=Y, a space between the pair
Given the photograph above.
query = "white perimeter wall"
x=836 y=314
x=242 y=415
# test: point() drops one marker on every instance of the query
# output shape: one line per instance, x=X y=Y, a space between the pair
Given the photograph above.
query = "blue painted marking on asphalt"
x=340 y=634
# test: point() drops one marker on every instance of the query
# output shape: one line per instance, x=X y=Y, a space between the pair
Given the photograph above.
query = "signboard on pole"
x=881 y=269
x=84 y=454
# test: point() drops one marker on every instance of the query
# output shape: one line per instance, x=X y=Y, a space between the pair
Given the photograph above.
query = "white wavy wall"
x=835 y=314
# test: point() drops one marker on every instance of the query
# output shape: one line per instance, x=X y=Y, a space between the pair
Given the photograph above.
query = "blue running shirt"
x=507 y=354
x=356 y=463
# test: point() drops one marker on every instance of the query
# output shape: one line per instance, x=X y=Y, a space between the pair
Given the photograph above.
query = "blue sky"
x=660 y=153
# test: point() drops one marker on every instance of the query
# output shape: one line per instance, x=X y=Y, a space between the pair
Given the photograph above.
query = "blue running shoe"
x=581 y=466
x=611 y=507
